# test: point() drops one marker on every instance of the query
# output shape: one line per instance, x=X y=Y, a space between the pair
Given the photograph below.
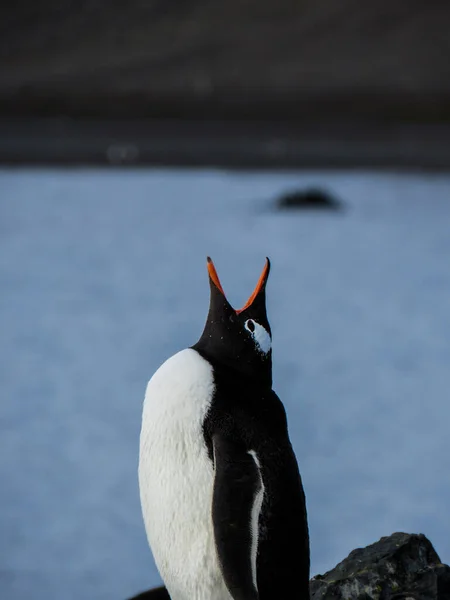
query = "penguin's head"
x=238 y=339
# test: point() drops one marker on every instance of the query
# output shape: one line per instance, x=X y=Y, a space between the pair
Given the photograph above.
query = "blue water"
x=102 y=277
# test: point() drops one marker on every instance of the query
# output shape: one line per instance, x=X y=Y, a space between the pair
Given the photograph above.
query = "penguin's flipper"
x=236 y=503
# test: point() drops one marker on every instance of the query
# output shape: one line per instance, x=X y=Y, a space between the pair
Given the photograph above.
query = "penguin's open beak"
x=259 y=286
x=213 y=275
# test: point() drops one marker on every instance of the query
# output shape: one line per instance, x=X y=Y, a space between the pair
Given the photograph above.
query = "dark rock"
x=399 y=567
x=159 y=593
x=310 y=199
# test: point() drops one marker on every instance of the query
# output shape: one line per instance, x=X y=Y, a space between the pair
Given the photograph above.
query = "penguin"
x=221 y=494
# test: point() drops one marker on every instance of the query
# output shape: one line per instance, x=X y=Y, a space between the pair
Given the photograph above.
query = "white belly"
x=176 y=478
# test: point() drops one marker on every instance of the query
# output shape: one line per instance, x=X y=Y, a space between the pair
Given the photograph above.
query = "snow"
x=103 y=276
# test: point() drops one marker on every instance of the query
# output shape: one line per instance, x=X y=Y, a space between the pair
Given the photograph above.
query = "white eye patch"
x=260 y=336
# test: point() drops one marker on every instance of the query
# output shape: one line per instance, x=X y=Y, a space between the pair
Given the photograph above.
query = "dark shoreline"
x=225 y=144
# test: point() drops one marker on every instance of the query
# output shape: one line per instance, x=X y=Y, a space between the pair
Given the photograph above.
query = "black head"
x=238 y=339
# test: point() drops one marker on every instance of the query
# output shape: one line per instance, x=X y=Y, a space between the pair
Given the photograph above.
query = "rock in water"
x=399 y=566
x=159 y=593
x=309 y=199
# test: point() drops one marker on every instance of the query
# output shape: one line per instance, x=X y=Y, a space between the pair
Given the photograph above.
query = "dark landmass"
x=399 y=566
x=243 y=83
x=241 y=59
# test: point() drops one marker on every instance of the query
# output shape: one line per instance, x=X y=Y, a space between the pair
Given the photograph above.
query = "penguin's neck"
x=259 y=373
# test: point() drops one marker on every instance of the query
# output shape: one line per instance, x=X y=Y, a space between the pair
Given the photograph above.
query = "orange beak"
x=261 y=282
x=213 y=275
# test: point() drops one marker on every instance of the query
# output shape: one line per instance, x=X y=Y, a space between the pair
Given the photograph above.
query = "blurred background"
x=137 y=139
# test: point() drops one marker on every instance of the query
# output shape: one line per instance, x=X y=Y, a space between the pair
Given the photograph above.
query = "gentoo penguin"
x=221 y=494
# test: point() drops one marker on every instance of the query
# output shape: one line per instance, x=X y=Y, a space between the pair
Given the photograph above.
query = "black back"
x=252 y=417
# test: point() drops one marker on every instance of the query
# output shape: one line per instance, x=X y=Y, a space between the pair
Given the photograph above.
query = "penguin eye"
x=250 y=325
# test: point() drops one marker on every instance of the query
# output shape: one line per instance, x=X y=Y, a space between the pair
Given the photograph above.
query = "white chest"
x=176 y=478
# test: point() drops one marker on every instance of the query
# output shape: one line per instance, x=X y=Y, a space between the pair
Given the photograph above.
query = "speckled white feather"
x=256 y=511
x=176 y=478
